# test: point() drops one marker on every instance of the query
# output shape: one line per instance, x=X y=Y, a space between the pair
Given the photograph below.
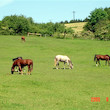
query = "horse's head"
x=71 y=65
x=12 y=70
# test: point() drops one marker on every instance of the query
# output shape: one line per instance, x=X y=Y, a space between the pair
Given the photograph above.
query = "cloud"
x=5 y=2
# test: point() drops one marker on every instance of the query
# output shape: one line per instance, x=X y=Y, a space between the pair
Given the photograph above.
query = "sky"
x=43 y=11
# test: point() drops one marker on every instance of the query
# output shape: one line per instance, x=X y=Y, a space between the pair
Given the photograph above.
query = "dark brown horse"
x=23 y=38
x=97 y=58
x=22 y=63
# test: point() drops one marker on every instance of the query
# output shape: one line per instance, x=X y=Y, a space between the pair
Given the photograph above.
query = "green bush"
x=58 y=35
x=87 y=35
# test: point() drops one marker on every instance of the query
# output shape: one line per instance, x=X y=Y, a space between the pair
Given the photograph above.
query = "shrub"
x=87 y=35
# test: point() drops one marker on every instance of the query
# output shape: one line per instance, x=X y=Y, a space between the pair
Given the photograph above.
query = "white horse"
x=64 y=59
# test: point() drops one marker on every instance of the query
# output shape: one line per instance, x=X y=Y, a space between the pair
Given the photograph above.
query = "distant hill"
x=77 y=27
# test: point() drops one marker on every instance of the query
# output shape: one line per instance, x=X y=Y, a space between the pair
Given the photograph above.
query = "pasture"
x=48 y=88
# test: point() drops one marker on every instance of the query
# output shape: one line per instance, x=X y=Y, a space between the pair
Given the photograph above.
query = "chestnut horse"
x=22 y=63
x=64 y=59
x=97 y=58
x=23 y=38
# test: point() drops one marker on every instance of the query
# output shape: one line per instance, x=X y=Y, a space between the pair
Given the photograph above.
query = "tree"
x=65 y=21
x=95 y=17
x=108 y=12
x=85 y=20
x=102 y=30
x=19 y=24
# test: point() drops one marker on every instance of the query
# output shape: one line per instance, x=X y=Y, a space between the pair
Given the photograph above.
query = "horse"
x=97 y=58
x=22 y=63
x=64 y=59
x=23 y=38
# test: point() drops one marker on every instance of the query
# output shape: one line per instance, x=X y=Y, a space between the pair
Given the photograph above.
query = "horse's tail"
x=95 y=58
x=55 y=61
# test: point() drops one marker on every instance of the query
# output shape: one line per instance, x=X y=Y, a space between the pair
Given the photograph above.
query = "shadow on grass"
x=61 y=68
x=17 y=73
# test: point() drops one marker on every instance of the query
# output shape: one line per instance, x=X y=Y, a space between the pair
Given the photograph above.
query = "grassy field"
x=48 y=88
x=77 y=27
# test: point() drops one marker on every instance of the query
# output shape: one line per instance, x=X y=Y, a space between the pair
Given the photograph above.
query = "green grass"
x=48 y=88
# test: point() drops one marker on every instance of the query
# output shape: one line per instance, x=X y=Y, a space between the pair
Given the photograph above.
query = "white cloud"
x=5 y=2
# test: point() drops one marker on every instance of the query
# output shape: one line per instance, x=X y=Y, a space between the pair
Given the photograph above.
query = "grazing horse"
x=22 y=63
x=23 y=38
x=64 y=59
x=97 y=58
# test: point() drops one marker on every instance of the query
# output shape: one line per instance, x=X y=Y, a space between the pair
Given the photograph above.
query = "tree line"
x=73 y=21
x=21 y=25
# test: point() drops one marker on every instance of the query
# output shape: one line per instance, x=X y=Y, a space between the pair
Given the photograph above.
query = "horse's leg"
x=99 y=62
x=96 y=62
x=64 y=65
x=68 y=64
x=57 y=65
x=106 y=62
x=23 y=69
x=29 y=69
x=20 y=69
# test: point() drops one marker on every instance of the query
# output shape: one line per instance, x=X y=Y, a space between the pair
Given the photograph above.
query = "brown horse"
x=97 y=58
x=23 y=38
x=22 y=63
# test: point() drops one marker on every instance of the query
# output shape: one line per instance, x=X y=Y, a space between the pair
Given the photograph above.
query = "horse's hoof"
x=96 y=64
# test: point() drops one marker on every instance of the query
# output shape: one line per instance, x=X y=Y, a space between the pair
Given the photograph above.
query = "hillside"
x=48 y=88
x=77 y=27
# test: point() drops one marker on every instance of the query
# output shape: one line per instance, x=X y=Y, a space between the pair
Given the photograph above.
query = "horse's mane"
x=16 y=58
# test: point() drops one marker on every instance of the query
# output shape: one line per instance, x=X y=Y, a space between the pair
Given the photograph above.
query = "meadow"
x=48 y=88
